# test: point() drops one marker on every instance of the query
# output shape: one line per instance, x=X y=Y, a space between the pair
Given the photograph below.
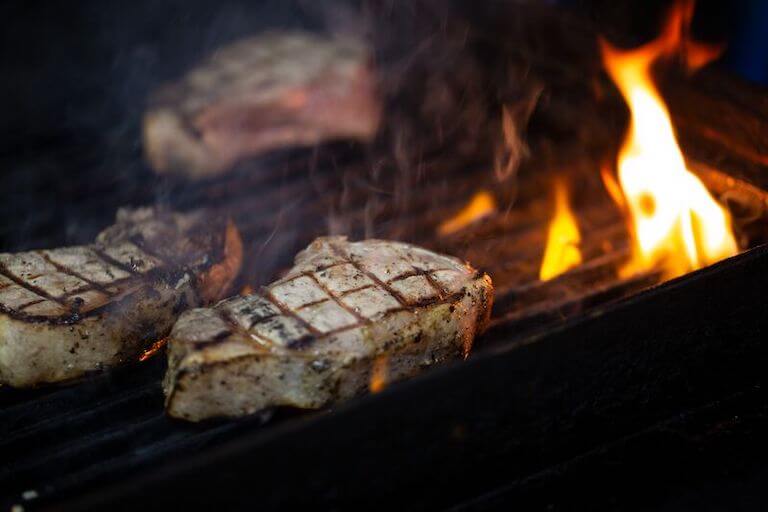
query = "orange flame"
x=379 y=374
x=153 y=349
x=675 y=222
x=480 y=206
x=562 y=251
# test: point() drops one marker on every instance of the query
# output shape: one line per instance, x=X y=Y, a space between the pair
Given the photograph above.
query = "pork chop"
x=314 y=336
x=67 y=311
x=268 y=92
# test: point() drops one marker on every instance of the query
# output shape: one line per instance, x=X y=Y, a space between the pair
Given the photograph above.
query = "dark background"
x=82 y=70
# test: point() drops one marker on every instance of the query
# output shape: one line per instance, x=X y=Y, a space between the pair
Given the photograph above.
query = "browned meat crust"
x=66 y=311
x=313 y=336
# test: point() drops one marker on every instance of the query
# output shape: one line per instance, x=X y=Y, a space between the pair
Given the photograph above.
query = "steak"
x=67 y=311
x=318 y=334
x=268 y=92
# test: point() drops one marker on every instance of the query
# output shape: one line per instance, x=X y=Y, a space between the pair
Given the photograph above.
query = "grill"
x=577 y=365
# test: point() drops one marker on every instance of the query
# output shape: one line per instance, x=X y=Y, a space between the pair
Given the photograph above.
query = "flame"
x=562 y=251
x=480 y=206
x=153 y=349
x=379 y=374
x=674 y=220
x=246 y=290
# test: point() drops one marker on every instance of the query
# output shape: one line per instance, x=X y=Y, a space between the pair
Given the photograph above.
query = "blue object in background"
x=747 y=53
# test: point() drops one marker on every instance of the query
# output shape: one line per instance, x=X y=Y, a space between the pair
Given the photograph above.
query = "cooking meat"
x=271 y=91
x=66 y=311
x=314 y=336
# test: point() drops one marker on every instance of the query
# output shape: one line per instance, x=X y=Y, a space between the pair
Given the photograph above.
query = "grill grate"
x=54 y=439
x=58 y=439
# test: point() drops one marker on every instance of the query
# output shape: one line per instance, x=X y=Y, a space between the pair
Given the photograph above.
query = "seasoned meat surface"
x=314 y=336
x=272 y=91
x=66 y=311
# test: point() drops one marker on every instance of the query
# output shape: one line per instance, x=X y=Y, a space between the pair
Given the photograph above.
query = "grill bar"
x=113 y=423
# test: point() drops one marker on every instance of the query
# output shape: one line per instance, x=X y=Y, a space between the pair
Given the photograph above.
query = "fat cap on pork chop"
x=267 y=92
x=312 y=337
x=67 y=311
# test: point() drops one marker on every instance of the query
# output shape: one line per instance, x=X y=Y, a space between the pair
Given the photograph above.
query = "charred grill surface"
x=507 y=245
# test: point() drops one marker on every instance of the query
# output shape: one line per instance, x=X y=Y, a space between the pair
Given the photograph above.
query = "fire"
x=379 y=373
x=562 y=251
x=153 y=349
x=675 y=222
x=480 y=206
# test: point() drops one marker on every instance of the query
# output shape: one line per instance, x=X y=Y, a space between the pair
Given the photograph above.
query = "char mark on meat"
x=312 y=337
x=70 y=310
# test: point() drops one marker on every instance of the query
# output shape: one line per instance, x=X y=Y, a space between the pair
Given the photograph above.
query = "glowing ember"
x=246 y=290
x=379 y=373
x=675 y=222
x=153 y=349
x=480 y=206
x=562 y=252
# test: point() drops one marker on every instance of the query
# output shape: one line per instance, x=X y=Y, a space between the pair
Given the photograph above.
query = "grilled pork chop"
x=259 y=94
x=313 y=336
x=66 y=311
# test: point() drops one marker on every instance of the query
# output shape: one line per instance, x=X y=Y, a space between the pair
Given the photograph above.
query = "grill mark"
x=454 y=297
x=262 y=320
x=222 y=336
x=285 y=280
x=286 y=311
x=353 y=290
x=28 y=304
x=118 y=283
x=399 y=298
x=109 y=260
x=305 y=341
x=164 y=267
x=249 y=314
x=227 y=318
x=63 y=319
x=313 y=303
x=358 y=316
x=302 y=342
x=417 y=272
x=66 y=270
x=74 y=316
x=441 y=292
x=29 y=286
x=331 y=265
